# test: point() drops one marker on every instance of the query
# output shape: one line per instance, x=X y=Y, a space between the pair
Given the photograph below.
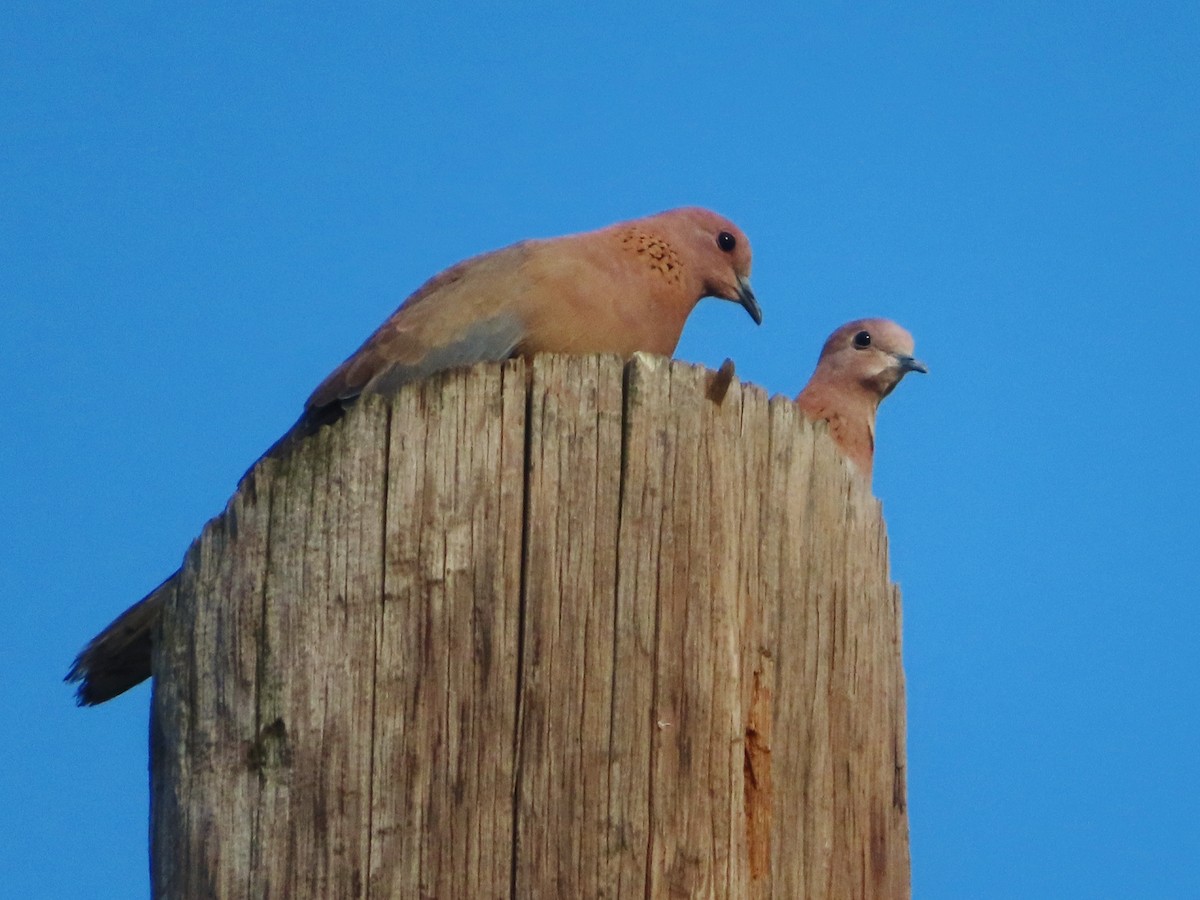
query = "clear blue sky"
x=202 y=212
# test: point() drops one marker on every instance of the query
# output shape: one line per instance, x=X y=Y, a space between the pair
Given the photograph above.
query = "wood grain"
x=574 y=628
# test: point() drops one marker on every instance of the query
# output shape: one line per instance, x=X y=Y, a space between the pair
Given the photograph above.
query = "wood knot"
x=270 y=748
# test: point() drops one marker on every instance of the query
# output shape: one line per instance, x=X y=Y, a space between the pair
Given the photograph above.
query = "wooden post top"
x=573 y=628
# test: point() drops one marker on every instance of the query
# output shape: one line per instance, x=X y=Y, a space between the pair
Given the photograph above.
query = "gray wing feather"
x=490 y=340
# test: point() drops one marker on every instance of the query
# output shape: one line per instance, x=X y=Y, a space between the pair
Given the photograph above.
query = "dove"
x=622 y=289
x=860 y=364
x=625 y=288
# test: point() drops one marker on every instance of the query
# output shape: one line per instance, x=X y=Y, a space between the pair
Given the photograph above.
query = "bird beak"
x=908 y=364
x=746 y=298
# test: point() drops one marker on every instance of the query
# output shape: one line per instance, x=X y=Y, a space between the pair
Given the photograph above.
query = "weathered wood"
x=573 y=494
x=575 y=629
x=445 y=686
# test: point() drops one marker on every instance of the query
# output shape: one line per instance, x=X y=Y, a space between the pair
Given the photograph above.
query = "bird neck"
x=850 y=415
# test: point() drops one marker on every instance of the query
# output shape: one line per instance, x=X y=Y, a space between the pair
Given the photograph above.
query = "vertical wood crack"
x=384 y=489
x=518 y=763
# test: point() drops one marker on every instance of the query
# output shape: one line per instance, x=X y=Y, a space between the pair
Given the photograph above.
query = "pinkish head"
x=870 y=354
x=718 y=252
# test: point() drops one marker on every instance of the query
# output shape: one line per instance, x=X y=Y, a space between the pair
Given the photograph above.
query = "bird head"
x=871 y=354
x=721 y=254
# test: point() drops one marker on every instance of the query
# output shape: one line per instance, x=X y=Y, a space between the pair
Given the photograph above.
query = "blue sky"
x=203 y=211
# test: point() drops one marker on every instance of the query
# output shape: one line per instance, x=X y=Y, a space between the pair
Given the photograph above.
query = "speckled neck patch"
x=657 y=253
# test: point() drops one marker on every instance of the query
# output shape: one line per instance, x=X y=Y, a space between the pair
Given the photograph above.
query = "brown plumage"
x=860 y=364
x=625 y=288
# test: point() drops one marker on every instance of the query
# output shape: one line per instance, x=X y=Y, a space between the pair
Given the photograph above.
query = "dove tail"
x=118 y=658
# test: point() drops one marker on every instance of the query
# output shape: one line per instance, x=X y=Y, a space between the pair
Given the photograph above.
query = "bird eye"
x=862 y=340
x=726 y=241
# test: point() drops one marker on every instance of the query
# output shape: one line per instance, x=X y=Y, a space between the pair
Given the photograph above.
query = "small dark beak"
x=908 y=364
x=746 y=298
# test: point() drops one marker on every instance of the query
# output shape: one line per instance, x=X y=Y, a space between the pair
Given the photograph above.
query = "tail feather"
x=118 y=658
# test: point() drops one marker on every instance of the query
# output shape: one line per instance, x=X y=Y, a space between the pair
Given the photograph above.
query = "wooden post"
x=572 y=629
